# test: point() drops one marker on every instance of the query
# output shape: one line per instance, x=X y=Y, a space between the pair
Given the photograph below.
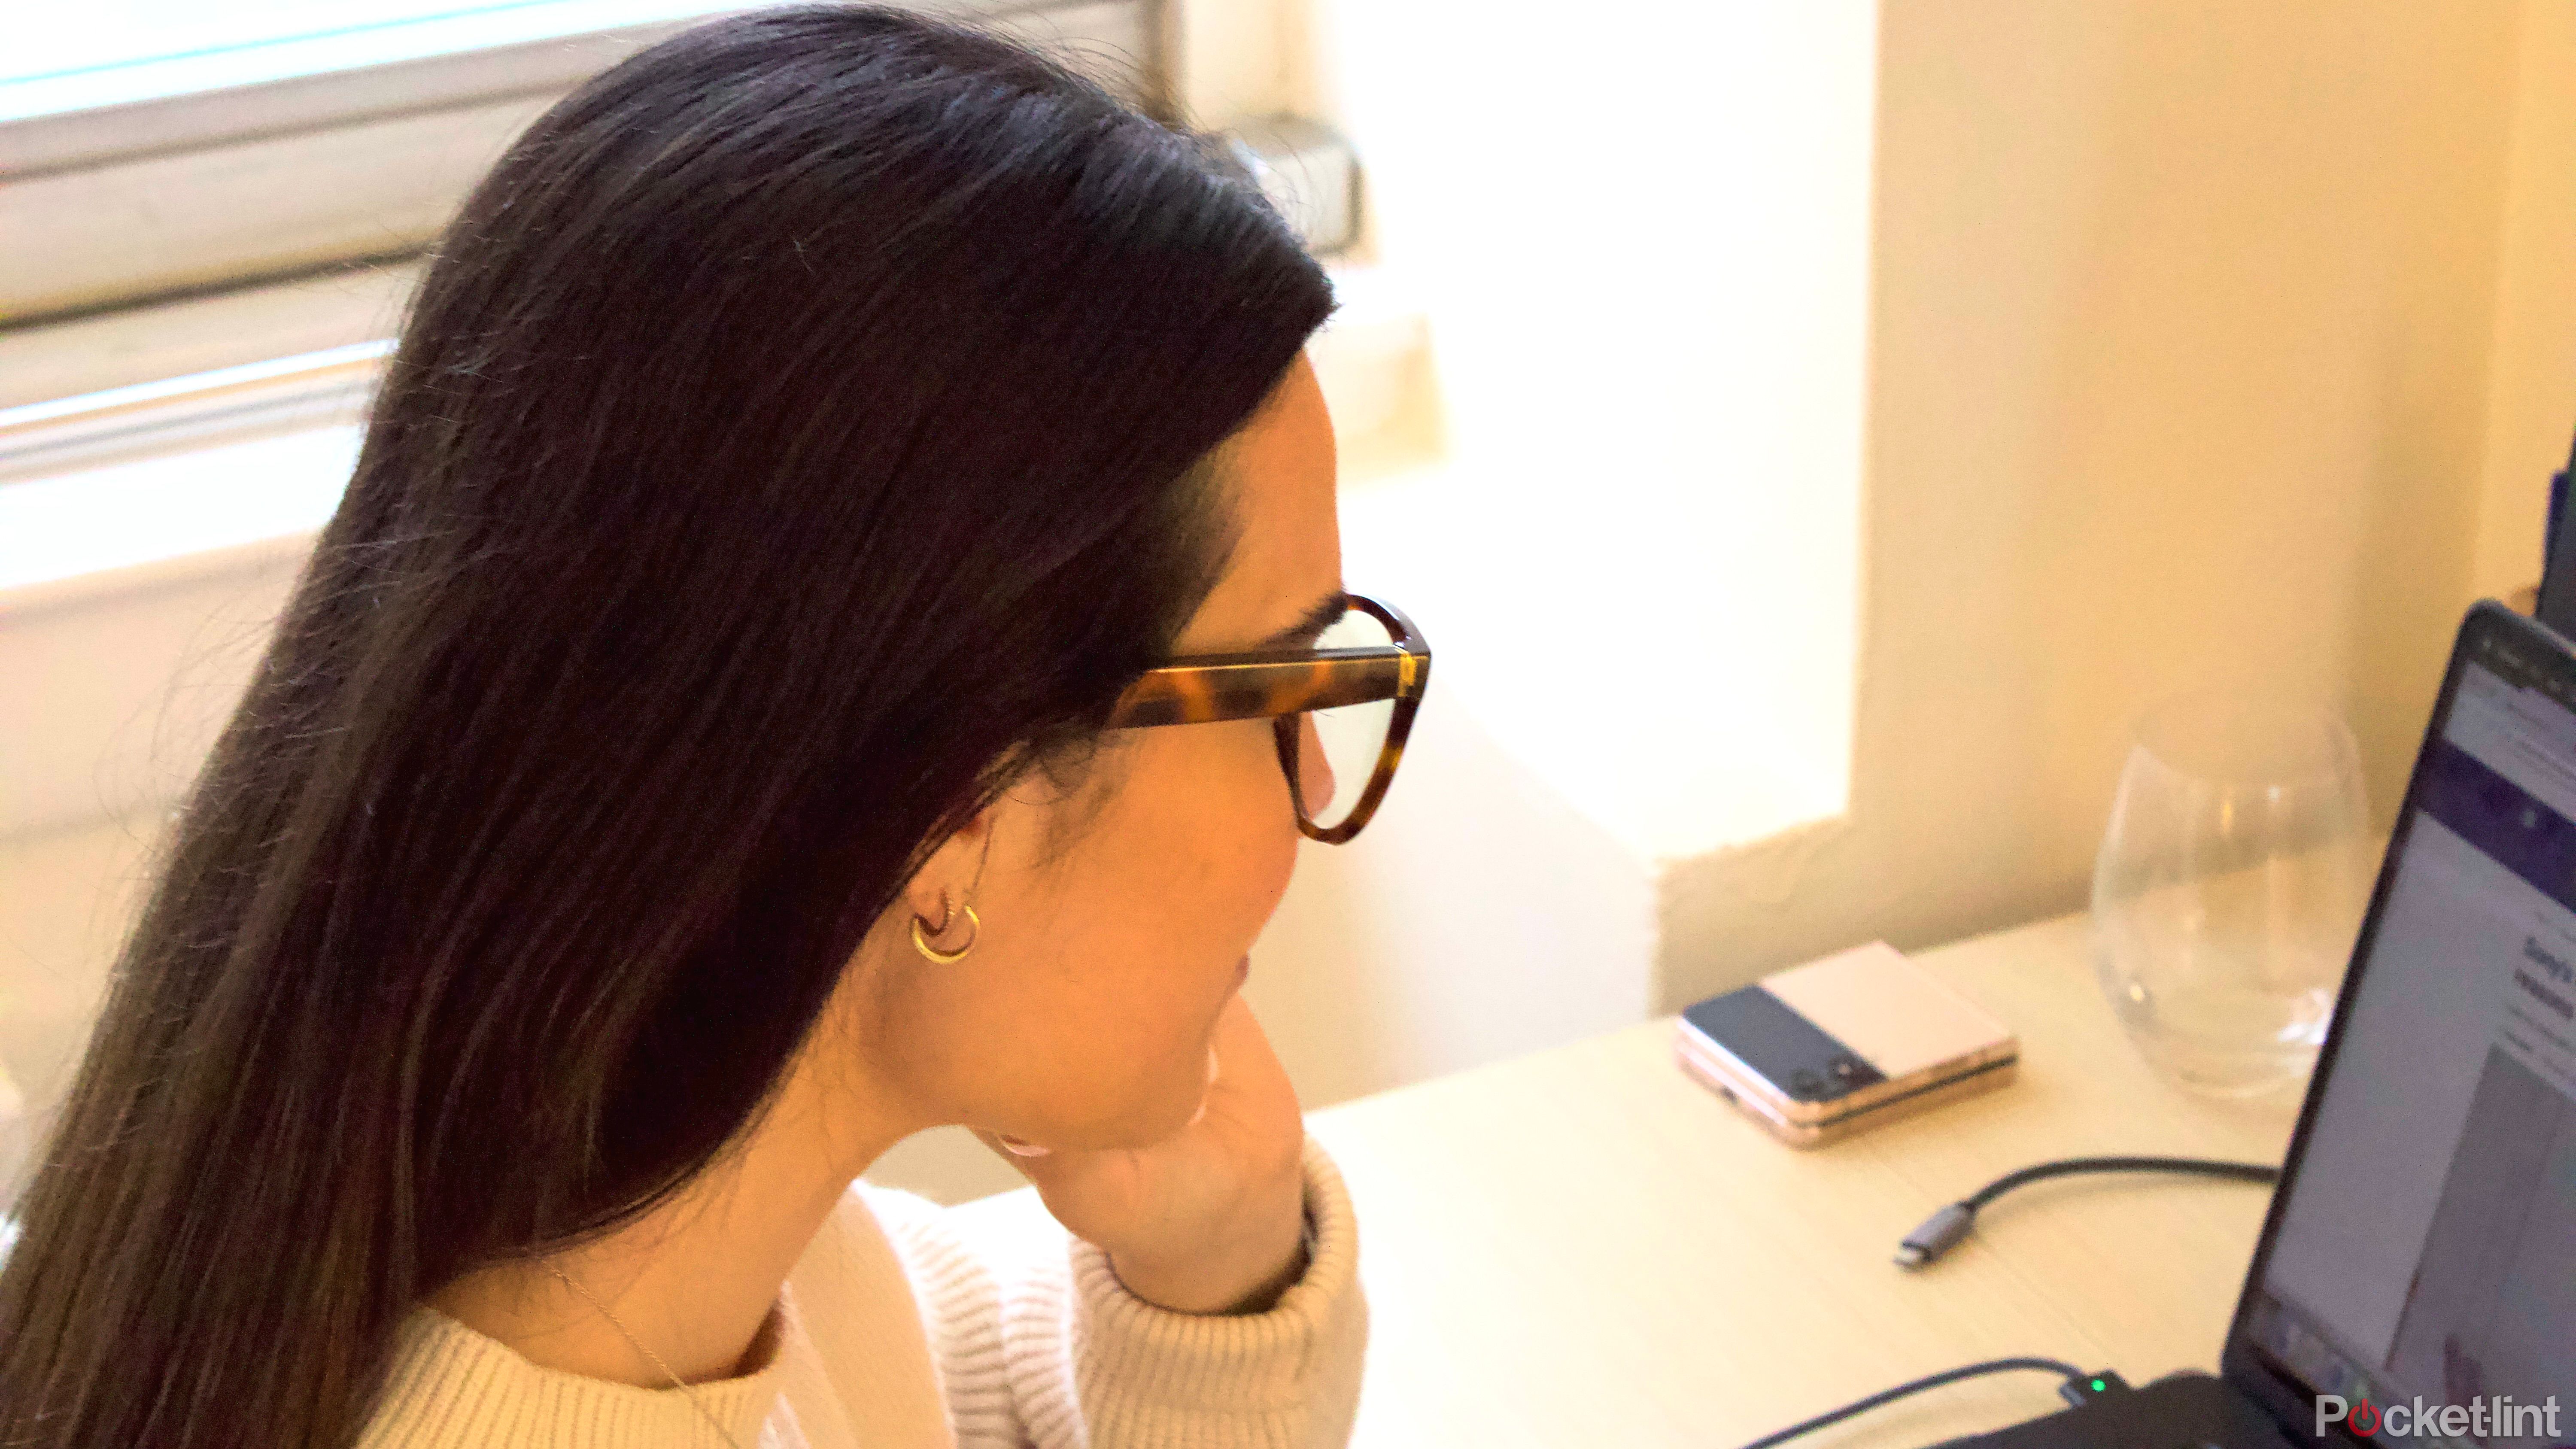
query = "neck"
x=693 y=1280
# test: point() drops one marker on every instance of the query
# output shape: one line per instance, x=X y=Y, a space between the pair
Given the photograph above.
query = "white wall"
x=127 y=678
x=1641 y=250
x=2205 y=343
x=2531 y=396
x=2189 y=364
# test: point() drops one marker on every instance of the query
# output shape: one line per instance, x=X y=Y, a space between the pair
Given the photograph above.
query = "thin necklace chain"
x=683 y=1384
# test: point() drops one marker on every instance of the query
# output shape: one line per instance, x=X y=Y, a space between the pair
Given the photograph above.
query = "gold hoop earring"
x=921 y=941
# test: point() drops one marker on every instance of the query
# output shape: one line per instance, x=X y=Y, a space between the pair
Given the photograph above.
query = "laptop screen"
x=2425 y=1252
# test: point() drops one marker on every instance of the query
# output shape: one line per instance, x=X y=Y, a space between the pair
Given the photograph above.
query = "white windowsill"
x=134 y=525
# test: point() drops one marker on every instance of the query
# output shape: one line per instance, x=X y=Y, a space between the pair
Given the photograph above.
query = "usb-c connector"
x=1939 y=1233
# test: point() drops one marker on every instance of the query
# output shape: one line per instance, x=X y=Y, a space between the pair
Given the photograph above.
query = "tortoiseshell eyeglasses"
x=1361 y=684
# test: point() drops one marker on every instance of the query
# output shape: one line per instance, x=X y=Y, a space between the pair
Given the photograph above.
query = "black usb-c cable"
x=1942 y=1231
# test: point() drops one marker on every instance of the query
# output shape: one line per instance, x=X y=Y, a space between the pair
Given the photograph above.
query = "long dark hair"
x=801 y=434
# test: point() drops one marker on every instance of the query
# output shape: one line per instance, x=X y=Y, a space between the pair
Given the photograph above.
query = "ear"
x=955 y=868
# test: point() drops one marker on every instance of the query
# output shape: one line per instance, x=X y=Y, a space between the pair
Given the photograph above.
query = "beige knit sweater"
x=905 y=1324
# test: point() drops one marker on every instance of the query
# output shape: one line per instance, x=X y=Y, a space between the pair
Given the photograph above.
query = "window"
x=154 y=153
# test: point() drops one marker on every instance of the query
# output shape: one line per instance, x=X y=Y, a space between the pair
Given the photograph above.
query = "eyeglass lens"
x=1353 y=735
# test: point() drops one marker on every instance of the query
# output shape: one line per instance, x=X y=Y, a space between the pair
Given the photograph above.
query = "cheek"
x=1231 y=824
x=1083 y=1020
x=1205 y=848
x=1202 y=849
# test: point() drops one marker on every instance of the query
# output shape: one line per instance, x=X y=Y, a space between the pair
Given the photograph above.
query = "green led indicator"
x=2099 y=1386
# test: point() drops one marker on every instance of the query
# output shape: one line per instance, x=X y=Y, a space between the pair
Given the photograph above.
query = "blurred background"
x=1810 y=434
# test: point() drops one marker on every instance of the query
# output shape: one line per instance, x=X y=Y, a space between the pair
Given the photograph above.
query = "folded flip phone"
x=1861 y=1037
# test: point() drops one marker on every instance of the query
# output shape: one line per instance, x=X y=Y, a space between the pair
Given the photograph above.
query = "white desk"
x=1584 y=1247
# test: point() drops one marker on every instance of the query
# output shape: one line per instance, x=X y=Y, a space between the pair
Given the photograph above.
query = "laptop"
x=2416 y=1278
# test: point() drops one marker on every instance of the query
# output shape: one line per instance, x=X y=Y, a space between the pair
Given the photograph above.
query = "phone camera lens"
x=1805 y=1085
x=1846 y=1068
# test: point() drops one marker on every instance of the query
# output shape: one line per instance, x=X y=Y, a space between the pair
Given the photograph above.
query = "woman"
x=718 y=736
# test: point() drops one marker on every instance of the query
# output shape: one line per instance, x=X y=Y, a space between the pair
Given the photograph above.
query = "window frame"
x=348 y=152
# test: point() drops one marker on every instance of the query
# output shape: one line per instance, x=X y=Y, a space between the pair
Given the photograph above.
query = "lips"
x=1243 y=970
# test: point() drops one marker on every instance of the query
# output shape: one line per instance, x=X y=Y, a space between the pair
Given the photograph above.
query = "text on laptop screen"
x=2424 y=1249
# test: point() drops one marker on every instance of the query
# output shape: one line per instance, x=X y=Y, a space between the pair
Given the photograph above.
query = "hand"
x=1211 y=1219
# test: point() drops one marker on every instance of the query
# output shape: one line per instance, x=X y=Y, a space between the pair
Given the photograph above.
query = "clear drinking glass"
x=2230 y=886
